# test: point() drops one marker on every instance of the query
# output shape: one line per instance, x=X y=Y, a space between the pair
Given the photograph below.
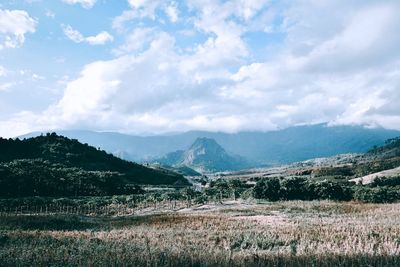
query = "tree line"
x=382 y=190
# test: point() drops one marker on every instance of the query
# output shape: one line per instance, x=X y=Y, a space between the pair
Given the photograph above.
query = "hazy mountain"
x=204 y=155
x=261 y=148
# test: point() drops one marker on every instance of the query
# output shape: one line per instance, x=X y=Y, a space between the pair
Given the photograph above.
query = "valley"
x=192 y=208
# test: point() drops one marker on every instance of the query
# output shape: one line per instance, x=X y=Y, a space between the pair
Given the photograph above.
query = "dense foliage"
x=379 y=194
x=53 y=165
x=22 y=178
x=298 y=188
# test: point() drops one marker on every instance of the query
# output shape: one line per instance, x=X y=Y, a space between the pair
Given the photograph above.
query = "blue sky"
x=141 y=66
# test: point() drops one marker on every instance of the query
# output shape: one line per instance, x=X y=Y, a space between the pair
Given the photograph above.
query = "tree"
x=236 y=187
x=294 y=188
x=269 y=189
x=332 y=190
x=189 y=194
x=222 y=188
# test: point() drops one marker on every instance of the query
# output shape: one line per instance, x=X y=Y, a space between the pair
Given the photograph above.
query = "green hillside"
x=54 y=165
x=378 y=159
x=381 y=158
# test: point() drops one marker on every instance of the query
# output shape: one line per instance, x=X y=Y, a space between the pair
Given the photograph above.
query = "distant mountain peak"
x=205 y=141
x=204 y=155
x=204 y=145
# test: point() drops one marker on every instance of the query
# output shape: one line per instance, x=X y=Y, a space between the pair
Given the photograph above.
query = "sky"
x=157 y=66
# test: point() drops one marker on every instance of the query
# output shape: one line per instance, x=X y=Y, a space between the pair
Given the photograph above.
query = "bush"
x=201 y=199
x=380 y=194
x=332 y=190
x=269 y=189
x=386 y=181
x=298 y=188
x=246 y=194
x=294 y=188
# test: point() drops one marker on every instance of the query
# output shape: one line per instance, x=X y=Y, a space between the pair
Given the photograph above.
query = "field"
x=291 y=233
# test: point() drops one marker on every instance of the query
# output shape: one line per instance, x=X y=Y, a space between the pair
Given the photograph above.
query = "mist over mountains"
x=259 y=148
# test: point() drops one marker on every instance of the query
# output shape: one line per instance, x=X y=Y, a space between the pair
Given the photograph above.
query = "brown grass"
x=275 y=234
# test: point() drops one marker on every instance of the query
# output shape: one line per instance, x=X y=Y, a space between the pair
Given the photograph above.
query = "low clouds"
x=75 y=36
x=14 y=24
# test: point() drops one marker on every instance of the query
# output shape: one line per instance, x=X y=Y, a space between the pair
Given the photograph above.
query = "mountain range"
x=259 y=148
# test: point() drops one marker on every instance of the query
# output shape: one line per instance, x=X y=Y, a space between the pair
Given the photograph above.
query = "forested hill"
x=42 y=164
x=390 y=149
x=70 y=152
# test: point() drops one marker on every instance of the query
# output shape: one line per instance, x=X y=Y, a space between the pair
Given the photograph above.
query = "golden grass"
x=274 y=234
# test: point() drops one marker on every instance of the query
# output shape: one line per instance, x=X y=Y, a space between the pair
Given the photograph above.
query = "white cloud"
x=14 y=127
x=3 y=71
x=75 y=36
x=136 y=41
x=84 y=3
x=247 y=9
x=14 y=24
x=100 y=38
x=141 y=9
x=172 y=12
x=119 y=21
x=72 y=34
x=340 y=67
x=50 y=14
x=37 y=77
x=366 y=39
x=137 y=3
x=4 y=87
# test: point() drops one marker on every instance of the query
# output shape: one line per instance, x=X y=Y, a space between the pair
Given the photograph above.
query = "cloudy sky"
x=152 y=66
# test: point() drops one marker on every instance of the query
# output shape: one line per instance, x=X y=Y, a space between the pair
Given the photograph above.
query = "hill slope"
x=43 y=163
x=382 y=161
x=381 y=158
x=204 y=155
x=260 y=148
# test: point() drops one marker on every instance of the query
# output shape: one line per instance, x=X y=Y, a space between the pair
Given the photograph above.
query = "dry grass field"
x=295 y=233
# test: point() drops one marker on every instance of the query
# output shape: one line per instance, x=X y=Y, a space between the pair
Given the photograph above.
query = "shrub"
x=332 y=190
x=248 y=193
x=269 y=189
x=298 y=188
x=380 y=194
x=294 y=188
x=201 y=199
x=386 y=181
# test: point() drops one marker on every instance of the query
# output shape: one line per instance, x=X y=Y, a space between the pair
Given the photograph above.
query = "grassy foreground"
x=236 y=234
